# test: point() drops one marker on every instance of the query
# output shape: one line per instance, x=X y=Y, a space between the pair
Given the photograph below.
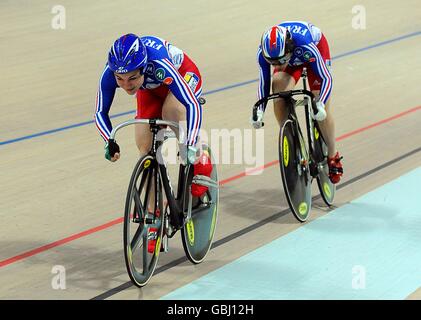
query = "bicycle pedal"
x=149 y=221
x=205 y=181
x=314 y=170
x=169 y=229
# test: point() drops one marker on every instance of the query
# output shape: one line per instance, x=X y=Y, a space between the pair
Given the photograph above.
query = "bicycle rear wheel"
x=141 y=226
x=198 y=232
x=295 y=171
x=326 y=187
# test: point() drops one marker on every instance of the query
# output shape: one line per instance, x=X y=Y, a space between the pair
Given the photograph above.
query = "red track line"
x=60 y=242
x=346 y=135
x=248 y=172
x=238 y=176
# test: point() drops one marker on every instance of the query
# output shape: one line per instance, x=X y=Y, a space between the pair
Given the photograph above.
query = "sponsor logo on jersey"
x=149 y=69
x=151 y=85
x=307 y=55
x=297 y=62
x=192 y=80
x=160 y=74
x=312 y=59
x=298 y=51
x=168 y=80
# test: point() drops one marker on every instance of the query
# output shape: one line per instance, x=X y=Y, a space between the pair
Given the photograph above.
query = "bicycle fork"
x=308 y=102
x=302 y=153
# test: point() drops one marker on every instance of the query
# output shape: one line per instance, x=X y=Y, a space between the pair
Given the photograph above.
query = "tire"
x=295 y=171
x=197 y=234
x=140 y=263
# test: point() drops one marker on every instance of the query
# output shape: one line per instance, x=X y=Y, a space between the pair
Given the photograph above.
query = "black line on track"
x=254 y=226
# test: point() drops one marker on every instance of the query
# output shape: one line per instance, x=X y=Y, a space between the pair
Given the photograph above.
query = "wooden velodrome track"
x=58 y=186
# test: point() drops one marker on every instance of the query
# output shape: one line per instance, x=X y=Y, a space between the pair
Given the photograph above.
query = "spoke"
x=148 y=188
x=137 y=236
x=137 y=192
x=145 y=252
x=138 y=206
x=144 y=175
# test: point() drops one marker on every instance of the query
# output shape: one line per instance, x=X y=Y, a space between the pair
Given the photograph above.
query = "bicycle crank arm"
x=165 y=243
x=189 y=208
x=205 y=181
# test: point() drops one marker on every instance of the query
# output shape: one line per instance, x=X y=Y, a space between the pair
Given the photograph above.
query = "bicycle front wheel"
x=198 y=232
x=295 y=171
x=142 y=229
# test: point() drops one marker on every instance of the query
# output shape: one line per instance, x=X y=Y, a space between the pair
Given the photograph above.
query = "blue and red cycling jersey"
x=306 y=38
x=164 y=60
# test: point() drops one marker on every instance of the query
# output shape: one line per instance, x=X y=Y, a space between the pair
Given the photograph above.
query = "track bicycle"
x=301 y=159
x=148 y=218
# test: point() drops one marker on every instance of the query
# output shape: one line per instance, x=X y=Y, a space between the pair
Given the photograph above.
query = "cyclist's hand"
x=188 y=154
x=321 y=112
x=258 y=122
x=112 y=150
x=191 y=155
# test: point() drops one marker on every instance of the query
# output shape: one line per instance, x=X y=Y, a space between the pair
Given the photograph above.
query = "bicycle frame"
x=175 y=204
x=291 y=104
x=310 y=124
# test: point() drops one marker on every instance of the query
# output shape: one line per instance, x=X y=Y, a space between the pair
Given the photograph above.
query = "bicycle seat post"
x=304 y=76
x=154 y=128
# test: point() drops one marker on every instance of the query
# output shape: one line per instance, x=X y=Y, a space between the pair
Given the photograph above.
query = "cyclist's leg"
x=148 y=107
x=283 y=81
x=174 y=110
x=327 y=126
x=143 y=137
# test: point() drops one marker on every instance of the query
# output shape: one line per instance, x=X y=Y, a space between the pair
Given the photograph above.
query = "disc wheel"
x=198 y=232
x=295 y=171
x=326 y=187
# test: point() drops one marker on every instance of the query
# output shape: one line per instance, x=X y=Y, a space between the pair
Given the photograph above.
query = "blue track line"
x=240 y=84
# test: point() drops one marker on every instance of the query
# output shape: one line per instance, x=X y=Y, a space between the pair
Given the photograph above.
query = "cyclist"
x=167 y=85
x=288 y=48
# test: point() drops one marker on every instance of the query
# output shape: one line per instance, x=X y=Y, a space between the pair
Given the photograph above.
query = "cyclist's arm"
x=104 y=99
x=264 y=77
x=186 y=96
x=319 y=67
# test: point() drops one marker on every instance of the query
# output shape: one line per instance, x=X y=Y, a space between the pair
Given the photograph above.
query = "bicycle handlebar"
x=158 y=122
x=283 y=94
